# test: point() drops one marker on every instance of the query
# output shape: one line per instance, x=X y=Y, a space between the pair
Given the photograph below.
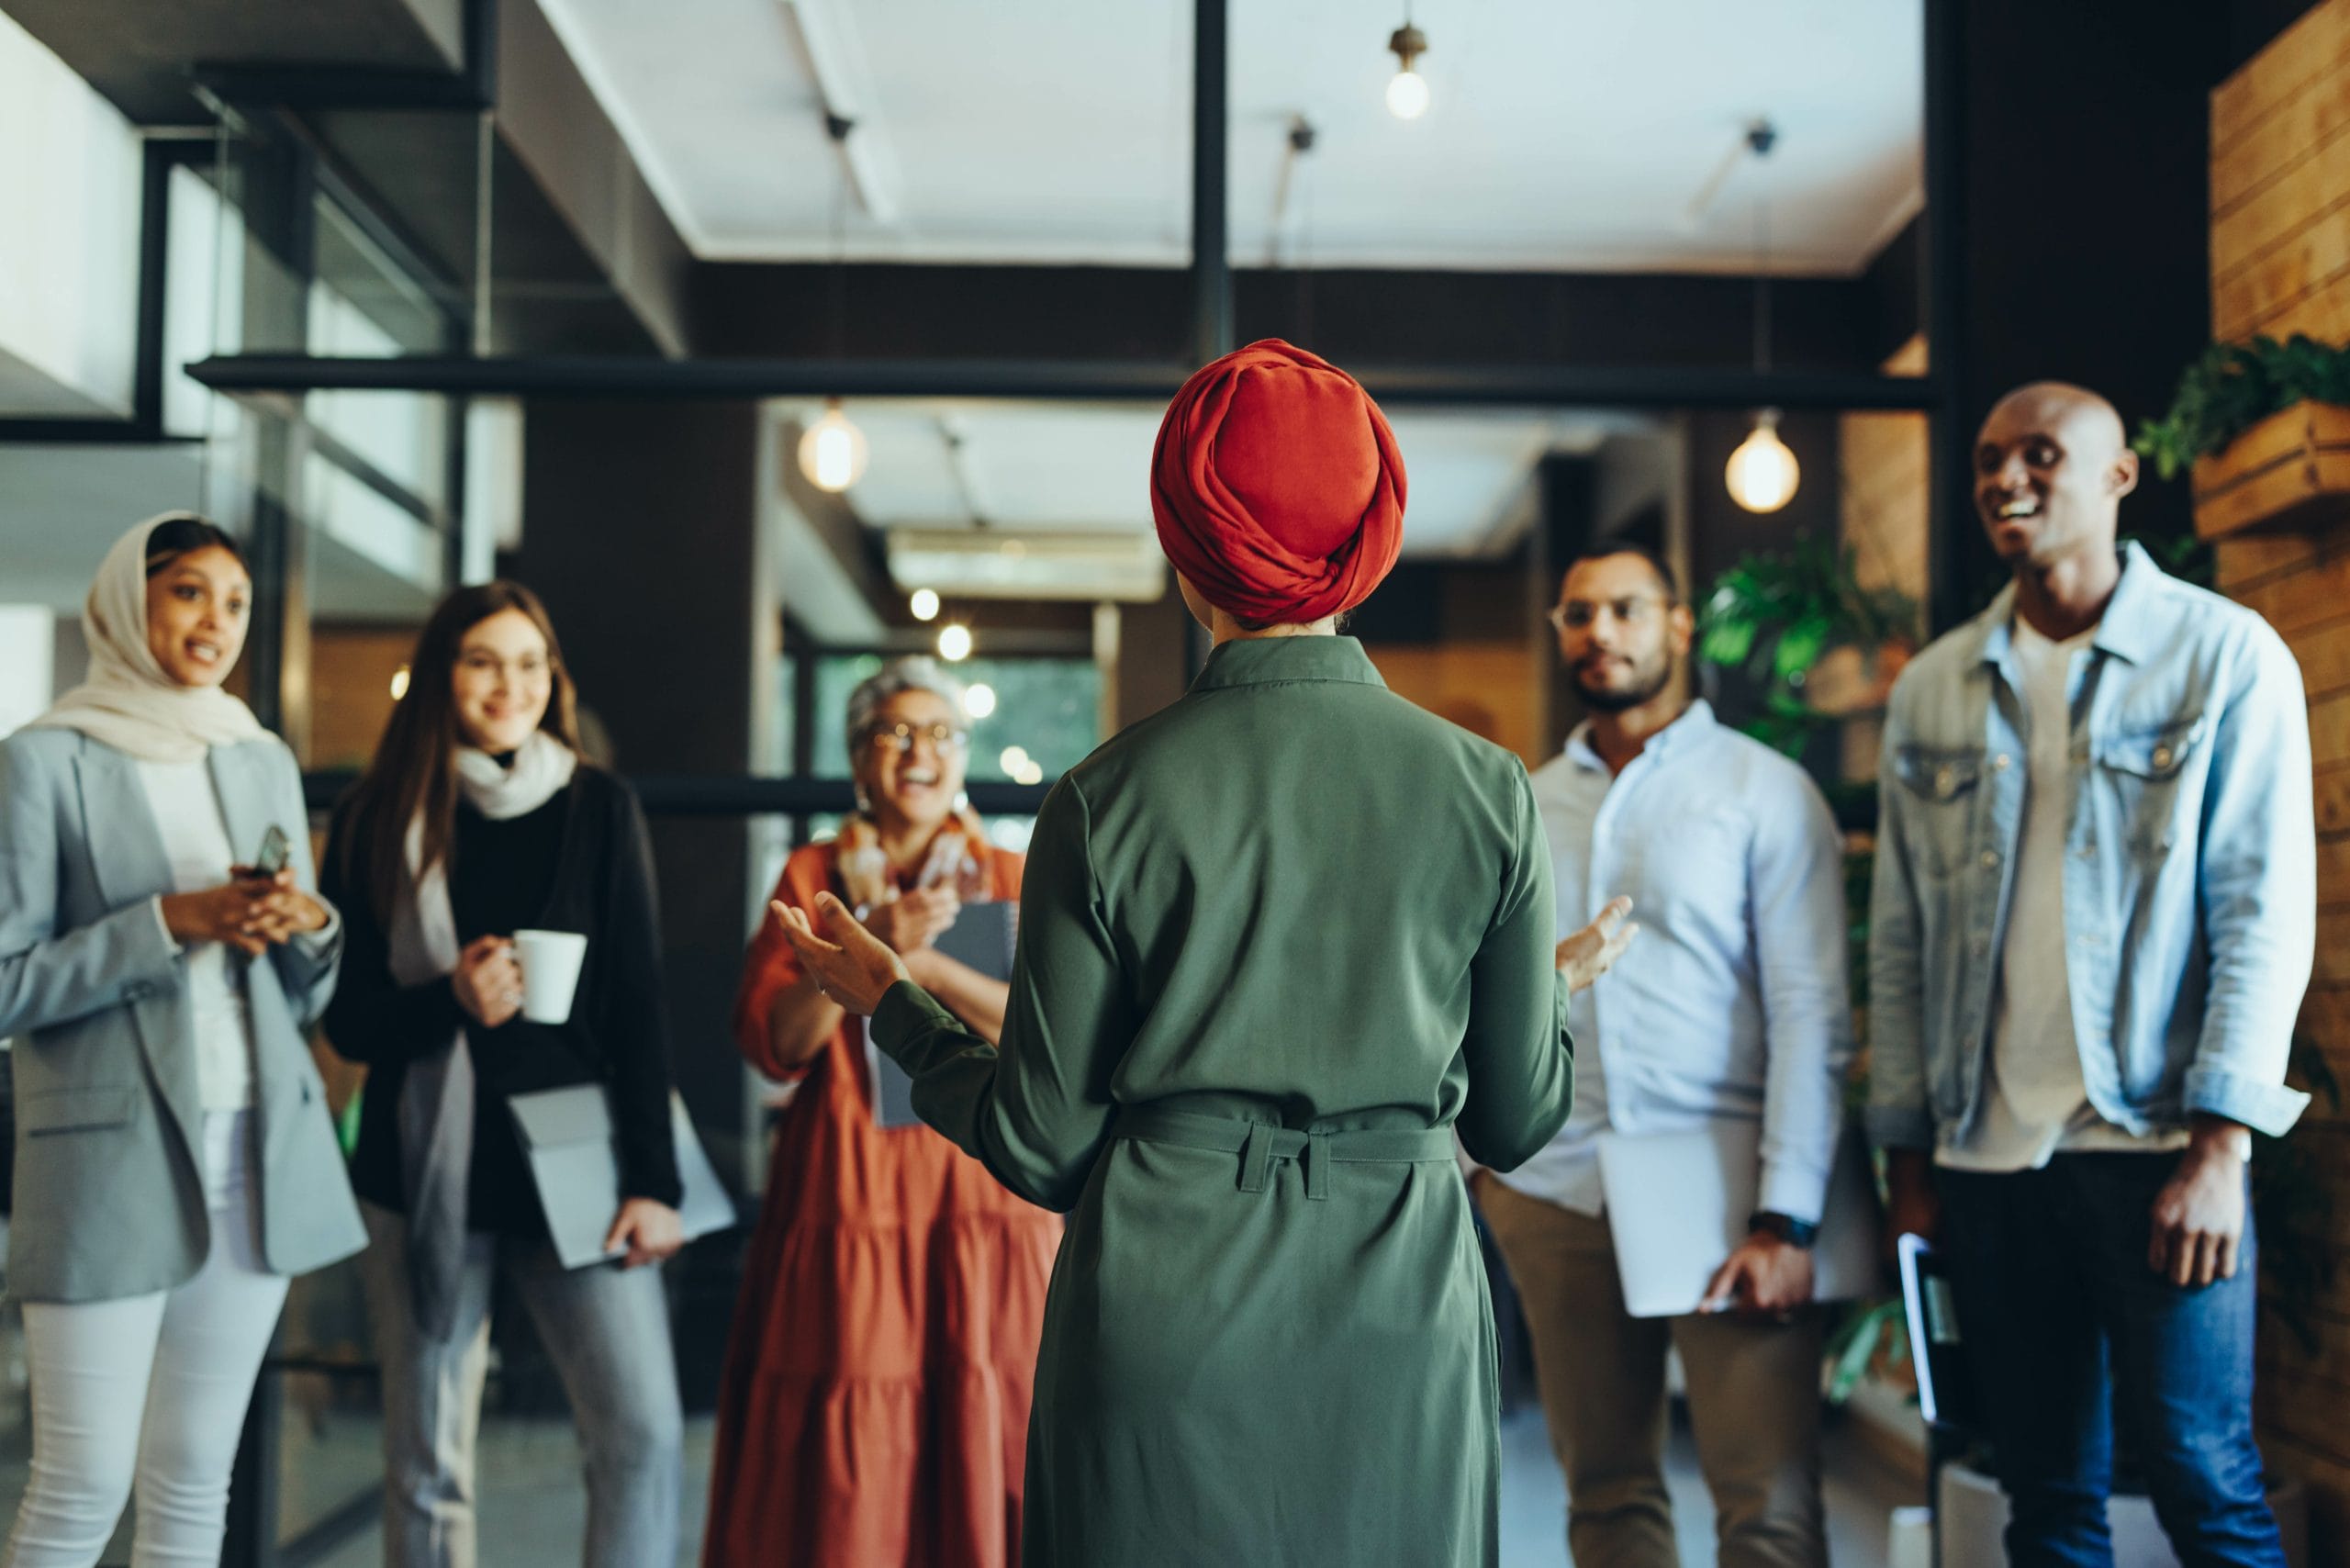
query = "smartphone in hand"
x=274 y=850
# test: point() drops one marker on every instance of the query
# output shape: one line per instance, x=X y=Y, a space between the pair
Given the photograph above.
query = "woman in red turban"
x=1277 y=945
x=1277 y=487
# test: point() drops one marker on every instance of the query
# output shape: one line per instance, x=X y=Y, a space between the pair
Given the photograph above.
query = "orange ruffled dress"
x=874 y=1412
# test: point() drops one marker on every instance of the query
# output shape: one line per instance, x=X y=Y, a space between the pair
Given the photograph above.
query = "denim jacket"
x=2190 y=900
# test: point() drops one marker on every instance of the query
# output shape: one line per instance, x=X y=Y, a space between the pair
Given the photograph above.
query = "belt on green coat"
x=1259 y=1144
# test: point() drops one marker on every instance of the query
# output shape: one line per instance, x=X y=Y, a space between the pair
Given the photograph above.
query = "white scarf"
x=127 y=703
x=424 y=935
x=436 y=1111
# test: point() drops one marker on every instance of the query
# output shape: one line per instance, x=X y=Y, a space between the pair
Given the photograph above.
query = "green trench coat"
x=1276 y=944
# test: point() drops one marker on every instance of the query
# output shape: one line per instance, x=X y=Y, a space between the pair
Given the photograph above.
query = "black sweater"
x=582 y=862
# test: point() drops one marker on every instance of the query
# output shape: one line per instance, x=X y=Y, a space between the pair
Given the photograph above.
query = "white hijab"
x=129 y=702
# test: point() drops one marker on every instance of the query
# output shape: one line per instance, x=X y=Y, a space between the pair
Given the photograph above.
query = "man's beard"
x=1617 y=699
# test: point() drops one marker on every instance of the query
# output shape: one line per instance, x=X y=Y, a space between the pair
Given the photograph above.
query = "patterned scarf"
x=957 y=858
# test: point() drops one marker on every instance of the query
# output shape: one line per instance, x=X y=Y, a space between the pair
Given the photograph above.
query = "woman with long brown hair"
x=477 y=818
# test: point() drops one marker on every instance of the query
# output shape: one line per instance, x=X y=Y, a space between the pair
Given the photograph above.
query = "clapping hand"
x=912 y=922
x=850 y=965
x=1590 y=952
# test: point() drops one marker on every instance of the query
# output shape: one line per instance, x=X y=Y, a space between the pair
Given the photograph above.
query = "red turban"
x=1278 y=486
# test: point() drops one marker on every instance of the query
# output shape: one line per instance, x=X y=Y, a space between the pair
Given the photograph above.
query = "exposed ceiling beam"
x=1517 y=385
x=785 y=311
x=137 y=53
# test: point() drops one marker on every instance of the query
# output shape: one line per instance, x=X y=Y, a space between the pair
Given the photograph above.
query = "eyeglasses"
x=1577 y=613
x=901 y=738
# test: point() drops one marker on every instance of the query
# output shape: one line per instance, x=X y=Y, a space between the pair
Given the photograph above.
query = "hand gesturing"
x=1590 y=952
x=850 y=963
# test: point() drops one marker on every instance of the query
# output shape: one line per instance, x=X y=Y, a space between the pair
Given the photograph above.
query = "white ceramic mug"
x=550 y=961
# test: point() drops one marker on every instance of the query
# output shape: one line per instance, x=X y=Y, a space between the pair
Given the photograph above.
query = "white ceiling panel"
x=1564 y=134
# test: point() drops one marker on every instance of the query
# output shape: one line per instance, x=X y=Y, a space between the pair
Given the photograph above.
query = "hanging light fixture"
x=954 y=643
x=1407 y=92
x=833 y=450
x=924 y=604
x=1762 y=473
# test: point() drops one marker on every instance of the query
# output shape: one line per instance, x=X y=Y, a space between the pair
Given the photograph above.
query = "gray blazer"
x=109 y=1190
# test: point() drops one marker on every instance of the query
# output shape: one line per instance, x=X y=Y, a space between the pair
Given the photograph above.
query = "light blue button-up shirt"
x=2190 y=894
x=1731 y=1002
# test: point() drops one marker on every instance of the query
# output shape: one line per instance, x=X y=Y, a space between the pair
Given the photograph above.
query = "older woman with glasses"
x=875 y=1405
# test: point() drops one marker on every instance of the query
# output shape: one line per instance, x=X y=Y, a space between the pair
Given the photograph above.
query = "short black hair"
x=184 y=533
x=1600 y=549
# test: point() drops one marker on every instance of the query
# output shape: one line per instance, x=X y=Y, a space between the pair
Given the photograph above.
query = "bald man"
x=2094 y=916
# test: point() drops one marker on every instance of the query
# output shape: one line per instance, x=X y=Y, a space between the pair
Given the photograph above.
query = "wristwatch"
x=1794 y=1232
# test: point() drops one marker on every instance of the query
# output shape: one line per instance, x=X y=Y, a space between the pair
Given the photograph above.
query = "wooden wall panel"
x=2294 y=287
x=2280 y=264
x=2301 y=58
x=1482 y=686
x=2280 y=186
x=2312 y=188
x=2287 y=132
x=1882 y=476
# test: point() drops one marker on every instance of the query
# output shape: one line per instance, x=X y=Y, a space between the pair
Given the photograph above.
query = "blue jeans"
x=2061 y=1314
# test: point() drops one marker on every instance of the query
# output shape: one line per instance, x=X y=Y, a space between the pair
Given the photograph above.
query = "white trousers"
x=148 y=1393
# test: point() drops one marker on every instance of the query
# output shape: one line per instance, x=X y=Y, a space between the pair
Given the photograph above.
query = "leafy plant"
x=2234 y=387
x=1775 y=615
x=1866 y=1329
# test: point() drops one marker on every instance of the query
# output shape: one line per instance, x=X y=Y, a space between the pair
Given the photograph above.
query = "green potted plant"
x=2263 y=428
x=1821 y=647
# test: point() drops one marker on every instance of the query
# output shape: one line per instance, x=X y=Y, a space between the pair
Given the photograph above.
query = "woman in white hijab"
x=161 y=952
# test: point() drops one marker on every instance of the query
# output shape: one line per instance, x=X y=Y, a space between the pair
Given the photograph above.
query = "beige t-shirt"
x=2035 y=1099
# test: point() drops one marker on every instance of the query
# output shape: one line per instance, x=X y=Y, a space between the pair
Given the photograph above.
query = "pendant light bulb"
x=954 y=643
x=1763 y=472
x=923 y=603
x=833 y=450
x=1407 y=93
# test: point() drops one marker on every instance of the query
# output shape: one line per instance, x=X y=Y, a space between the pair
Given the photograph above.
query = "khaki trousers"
x=1753 y=1402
